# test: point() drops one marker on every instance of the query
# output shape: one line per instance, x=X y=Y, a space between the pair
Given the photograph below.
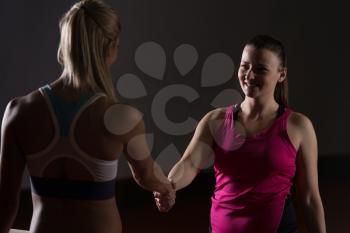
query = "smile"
x=250 y=85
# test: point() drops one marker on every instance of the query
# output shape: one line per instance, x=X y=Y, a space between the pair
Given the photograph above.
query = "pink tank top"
x=253 y=177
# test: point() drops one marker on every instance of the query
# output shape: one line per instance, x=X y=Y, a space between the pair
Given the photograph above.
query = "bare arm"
x=307 y=190
x=196 y=156
x=145 y=170
x=12 y=164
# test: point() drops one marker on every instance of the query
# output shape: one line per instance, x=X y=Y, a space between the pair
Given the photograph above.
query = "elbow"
x=312 y=203
x=311 y=199
x=312 y=210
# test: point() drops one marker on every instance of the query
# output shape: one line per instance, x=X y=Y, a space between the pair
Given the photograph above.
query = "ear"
x=283 y=75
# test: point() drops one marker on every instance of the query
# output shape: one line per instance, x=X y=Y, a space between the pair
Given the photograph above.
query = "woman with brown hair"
x=262 y=148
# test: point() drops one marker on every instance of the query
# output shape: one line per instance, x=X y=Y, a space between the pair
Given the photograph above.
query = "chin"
x=251 y=94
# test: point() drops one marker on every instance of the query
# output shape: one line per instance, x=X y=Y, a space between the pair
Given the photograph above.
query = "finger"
x=159 y=206
x=170 y=195
x=167 y=204
x=166 y=208
x=164 y=198
x=163 y=208
x=157 y=194
x=164 y=203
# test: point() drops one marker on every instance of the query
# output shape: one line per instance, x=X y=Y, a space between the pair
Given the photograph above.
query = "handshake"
x=165 y=200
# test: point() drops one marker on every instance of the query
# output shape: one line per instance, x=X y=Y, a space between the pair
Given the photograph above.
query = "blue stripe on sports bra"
x=65 y=111
x=69 y=189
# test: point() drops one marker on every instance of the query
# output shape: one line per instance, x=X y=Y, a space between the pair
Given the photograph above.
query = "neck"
x=255 y=108
x=62 y=83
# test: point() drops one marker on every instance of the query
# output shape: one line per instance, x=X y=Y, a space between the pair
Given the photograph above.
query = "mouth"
x=250 y=85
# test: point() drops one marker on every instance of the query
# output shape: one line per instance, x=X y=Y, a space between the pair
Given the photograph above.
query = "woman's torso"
x=254 y=174
x=38 y=130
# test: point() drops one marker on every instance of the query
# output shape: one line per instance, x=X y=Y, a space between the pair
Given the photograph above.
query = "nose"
x=249 y=75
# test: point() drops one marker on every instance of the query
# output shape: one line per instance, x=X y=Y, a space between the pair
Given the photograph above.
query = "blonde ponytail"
x=88 y=32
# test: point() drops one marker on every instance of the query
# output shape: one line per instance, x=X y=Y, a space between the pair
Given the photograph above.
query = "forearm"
x=154 y=180
x=314 y=216
x=299 y=215
x=183 y=173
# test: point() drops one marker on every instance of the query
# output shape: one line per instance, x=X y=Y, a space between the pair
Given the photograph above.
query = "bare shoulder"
x=120 y=119
x=215 y=114
x=12 y=110
x=211 y=121
x=123 y=111
x=300 y=121
x=21 y=107
x=300 y=130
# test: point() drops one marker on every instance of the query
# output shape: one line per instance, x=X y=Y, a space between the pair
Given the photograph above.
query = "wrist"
x=173 y=184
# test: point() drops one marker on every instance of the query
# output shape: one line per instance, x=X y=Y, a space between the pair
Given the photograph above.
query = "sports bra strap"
x=64 y=110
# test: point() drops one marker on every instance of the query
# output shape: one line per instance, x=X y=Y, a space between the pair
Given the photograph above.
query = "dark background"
x=315 y=35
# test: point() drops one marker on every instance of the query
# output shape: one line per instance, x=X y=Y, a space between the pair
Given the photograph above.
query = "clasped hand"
x=165 y=200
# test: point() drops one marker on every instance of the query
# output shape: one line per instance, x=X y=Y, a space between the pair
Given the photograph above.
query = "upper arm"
x=200 y=149
x=127 y=123
x=307 y=156
x=12 y=161
x=135 y=144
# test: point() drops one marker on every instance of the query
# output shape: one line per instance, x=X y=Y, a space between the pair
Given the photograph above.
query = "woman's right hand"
x=166 y=200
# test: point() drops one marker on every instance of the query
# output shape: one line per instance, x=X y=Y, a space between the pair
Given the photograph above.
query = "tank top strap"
x=284 y=118
x=65 y=111
x=228 y=120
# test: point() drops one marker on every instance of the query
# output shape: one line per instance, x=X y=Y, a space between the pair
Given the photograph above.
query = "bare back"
x=37 y=131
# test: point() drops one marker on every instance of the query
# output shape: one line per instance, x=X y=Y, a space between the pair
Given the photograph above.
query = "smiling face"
x=259 y=72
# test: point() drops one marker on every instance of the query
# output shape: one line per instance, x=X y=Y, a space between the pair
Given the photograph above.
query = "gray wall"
x=313 y=33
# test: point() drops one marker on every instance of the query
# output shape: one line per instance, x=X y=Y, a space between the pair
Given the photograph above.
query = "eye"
x=244 y=66
x=260 y=70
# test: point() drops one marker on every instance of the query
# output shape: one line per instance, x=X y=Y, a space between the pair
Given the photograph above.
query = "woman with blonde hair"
x=71 y=132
